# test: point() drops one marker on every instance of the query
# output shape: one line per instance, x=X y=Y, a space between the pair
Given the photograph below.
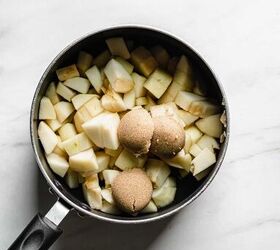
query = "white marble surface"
x=239 y=39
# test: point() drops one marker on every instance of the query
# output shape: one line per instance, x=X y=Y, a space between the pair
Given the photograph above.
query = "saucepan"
x=42 y=231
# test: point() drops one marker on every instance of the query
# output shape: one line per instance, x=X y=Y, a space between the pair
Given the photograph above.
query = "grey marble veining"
x=239 y=39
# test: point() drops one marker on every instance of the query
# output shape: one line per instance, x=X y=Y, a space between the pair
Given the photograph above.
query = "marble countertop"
x=239 y=39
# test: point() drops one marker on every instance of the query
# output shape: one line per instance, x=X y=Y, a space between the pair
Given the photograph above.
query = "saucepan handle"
x=42 y=231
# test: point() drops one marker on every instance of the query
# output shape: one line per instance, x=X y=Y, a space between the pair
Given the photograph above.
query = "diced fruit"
x=107 y=195
x=195 y=150
x=127 y=160
x=93 y=106
x=194 y=133
x=54 y=124
x=181 y=160
x=84 y=61
x=202 y=174
x=76 y=144
x=139 y=84
x=101 y=59
x=184 y=99
x=165 y=195
x=188 y=142
x=117 y=47
x=63 y=110
x=109 y=208
x=141 y=101
x=84 y=161
x=158 y=171
x=109 y=176
x=151 y=103
x=79 y=84
x=71 y=179
x=102 y=160
x=94 y=76
x=129 y=99
x=67 y=131
x=128 y=67
x=203 y=160
x=65 y=92
x=118 y=77
x=102 y=130
x=46 y=110
x=161 y=55
x=208 y=142
x=93 y=197
x=186 y=117
x=143 y=60
x=183 y=74
x=67 y=72
x=81 y=116
x=58 y=164
x=47 y=137
x=59 y=150
x=158 y=82
x=51 y=93
x=112 y=101
x=204 y=108
x=211 y=125
x=79 y=100
x=171 y=93
x=150 y=208
x=112 y=152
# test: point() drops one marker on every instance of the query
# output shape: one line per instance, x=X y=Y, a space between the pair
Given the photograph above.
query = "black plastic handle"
x=39 y=234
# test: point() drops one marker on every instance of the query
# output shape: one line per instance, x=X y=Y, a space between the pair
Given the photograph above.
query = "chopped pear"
x=194 y=133
x=109 y=176
x=165 y=195
x=58 y=164
x=107 y=195
x=84 y=161
x=112 y=152
x=93 y=106
x=81 y=116
x=143 y=60
x=71 y=179
x=46 y=110
x=172 y=63
x=63 y=110
x=161 y=55
x=150 y=104
x=109 y=208
x=142 y=101
x=51 y=93
x=184 y=99
x=129 y=99
x=54 y=124
x=67 y=72
x=171 y=93
x=195 y=150
x=211 y=125
x=47 y=137
x=117 y=47
x=181 y=160
x=101 y=59
x=65 y=92
x=76 y=144
x=139 y=84
x=102 y=160
x=79 y=84
x=94 y=76
x=186 y=117
x=92 y=181
x=208 y=142
x=203 y=160
x=112 y=101
x=102 y=130
x=127 y=160
x=79 y=100
x=204 y=108
x=93 y=197
x=150 y=208
x=84 y=61
x=59 y=150
x=188 y=142
x=202 y=174
x=67 y=131
x=128 y=67
x=118 y=77
x=158 y=171
x=158 y=82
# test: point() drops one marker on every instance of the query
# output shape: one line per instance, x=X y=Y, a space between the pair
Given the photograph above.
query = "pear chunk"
x=63 y=110
x=84 y=61
x=109 y=176
x=186 y=117
x=67 y=131
x=93 y=196
x=204 y=108
x=102 y=160
x=142 y=101
x=65 y=92
x=46 y=110
x=47 y=137
x=194 y=133
x=101 y=59
x=150 y=208
x=72 y=179
x=211 y=125
x=79 y=84
x=58 y=164
x=208 y=142
x=79 y=100
x=54 y=124
x=118 y=77
x=94 y=76
x=112 y=101
x=203 y=160
x=171 y=93
x=181 y=160
x=51 y=93
x=127 y=160
x=161 y=55
x=117 y=47
x=107 y=195
x=195 y=150
x=139 y=84
x=128 y=67
x=184 y=99
x=67 y=72
x=129 y=99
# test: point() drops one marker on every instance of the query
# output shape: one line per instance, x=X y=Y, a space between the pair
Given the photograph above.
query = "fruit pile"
x=129 y=113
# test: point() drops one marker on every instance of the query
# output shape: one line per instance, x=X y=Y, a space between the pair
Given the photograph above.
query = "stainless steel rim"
x=130 y=221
